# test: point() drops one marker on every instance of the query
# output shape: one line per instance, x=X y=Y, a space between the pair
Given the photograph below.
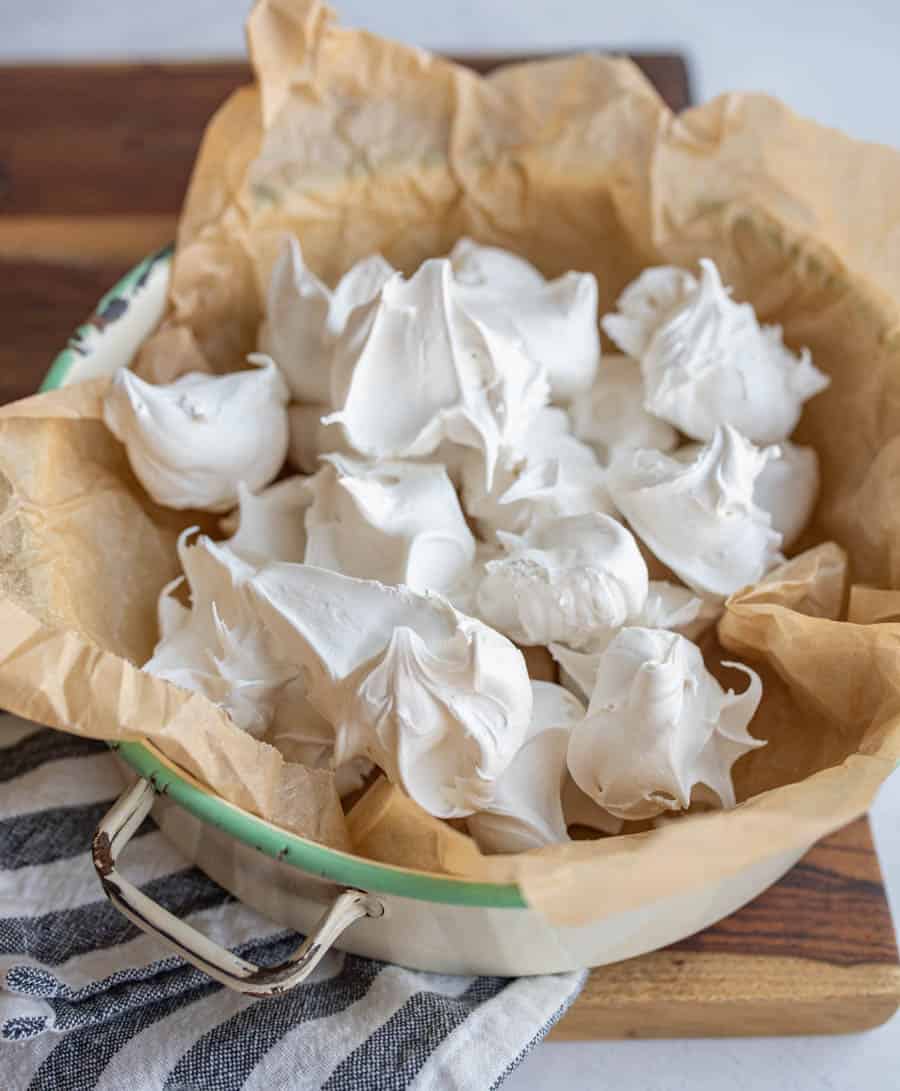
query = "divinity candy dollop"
x=527 y=811
x=555 y=321
x=191 y=441
x=414 y=368
x=304 y=318
x=270 y=525
x=697 y=511
x=395 y=522
x=553 y=476
x=707 y=361
x=612 y=418
x=658 y=726
x=437 y=700
x=569 y=580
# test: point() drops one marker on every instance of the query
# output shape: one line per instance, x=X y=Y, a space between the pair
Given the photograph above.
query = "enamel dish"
x=417 y=919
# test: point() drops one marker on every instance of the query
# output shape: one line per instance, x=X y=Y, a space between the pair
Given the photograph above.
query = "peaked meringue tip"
x=658 y=724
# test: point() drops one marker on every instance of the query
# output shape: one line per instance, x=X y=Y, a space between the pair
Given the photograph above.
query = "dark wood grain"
x=104 y=139
x=814 y=954
x=107 y=139
x=831 y=908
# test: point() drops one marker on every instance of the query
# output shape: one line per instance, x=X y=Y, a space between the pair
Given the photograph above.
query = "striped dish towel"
x=88 y=1001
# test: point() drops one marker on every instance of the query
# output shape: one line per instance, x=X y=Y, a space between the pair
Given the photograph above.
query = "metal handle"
x=111 y=837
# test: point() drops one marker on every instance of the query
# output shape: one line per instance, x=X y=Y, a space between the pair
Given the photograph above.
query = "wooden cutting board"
x=94 y=161
x=814 y=954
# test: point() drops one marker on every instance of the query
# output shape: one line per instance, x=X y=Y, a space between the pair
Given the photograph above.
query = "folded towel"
x=88 y=1001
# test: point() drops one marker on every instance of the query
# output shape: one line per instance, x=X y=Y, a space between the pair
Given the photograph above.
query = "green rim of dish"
x=340 y=867
x=61 y=365
x=308 y=856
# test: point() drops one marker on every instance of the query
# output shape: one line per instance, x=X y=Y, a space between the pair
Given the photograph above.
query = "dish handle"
x=110 y=838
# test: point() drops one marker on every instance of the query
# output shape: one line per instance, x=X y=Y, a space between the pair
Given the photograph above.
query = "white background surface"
x=837 y=62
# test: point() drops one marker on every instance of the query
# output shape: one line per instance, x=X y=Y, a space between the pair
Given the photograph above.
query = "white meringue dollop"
x=644 y=305
x=555 y=321
x=658 y=725
x=436 y=699
x=396 y=522
x=191 y=441
x=526 y=811
x=448 y=375
x=570 y=580
x=463 y=595
x=788 y=488
x=578 y=669
x=304 y=317
x=699 y=517
x=499 y=272
x=669 y=606
x=710 y=363
x=270 y=525
x=217 y=647
x=553 y=477
x=612 y=417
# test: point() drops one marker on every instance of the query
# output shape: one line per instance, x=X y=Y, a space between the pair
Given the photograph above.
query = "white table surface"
x=833 y=61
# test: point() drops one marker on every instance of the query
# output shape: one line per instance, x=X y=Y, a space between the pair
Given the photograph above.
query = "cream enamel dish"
x=416 y=919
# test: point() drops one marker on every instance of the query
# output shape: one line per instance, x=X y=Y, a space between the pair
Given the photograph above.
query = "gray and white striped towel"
x=87 y=1001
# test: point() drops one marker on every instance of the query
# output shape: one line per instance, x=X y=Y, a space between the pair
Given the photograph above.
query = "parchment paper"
x=357 y=144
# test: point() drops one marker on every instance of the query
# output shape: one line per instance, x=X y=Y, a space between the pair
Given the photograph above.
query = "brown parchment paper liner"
x=357 y=144
x=387 y=825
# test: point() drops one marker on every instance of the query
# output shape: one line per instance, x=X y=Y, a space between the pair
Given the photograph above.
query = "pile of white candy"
x=473 y=474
